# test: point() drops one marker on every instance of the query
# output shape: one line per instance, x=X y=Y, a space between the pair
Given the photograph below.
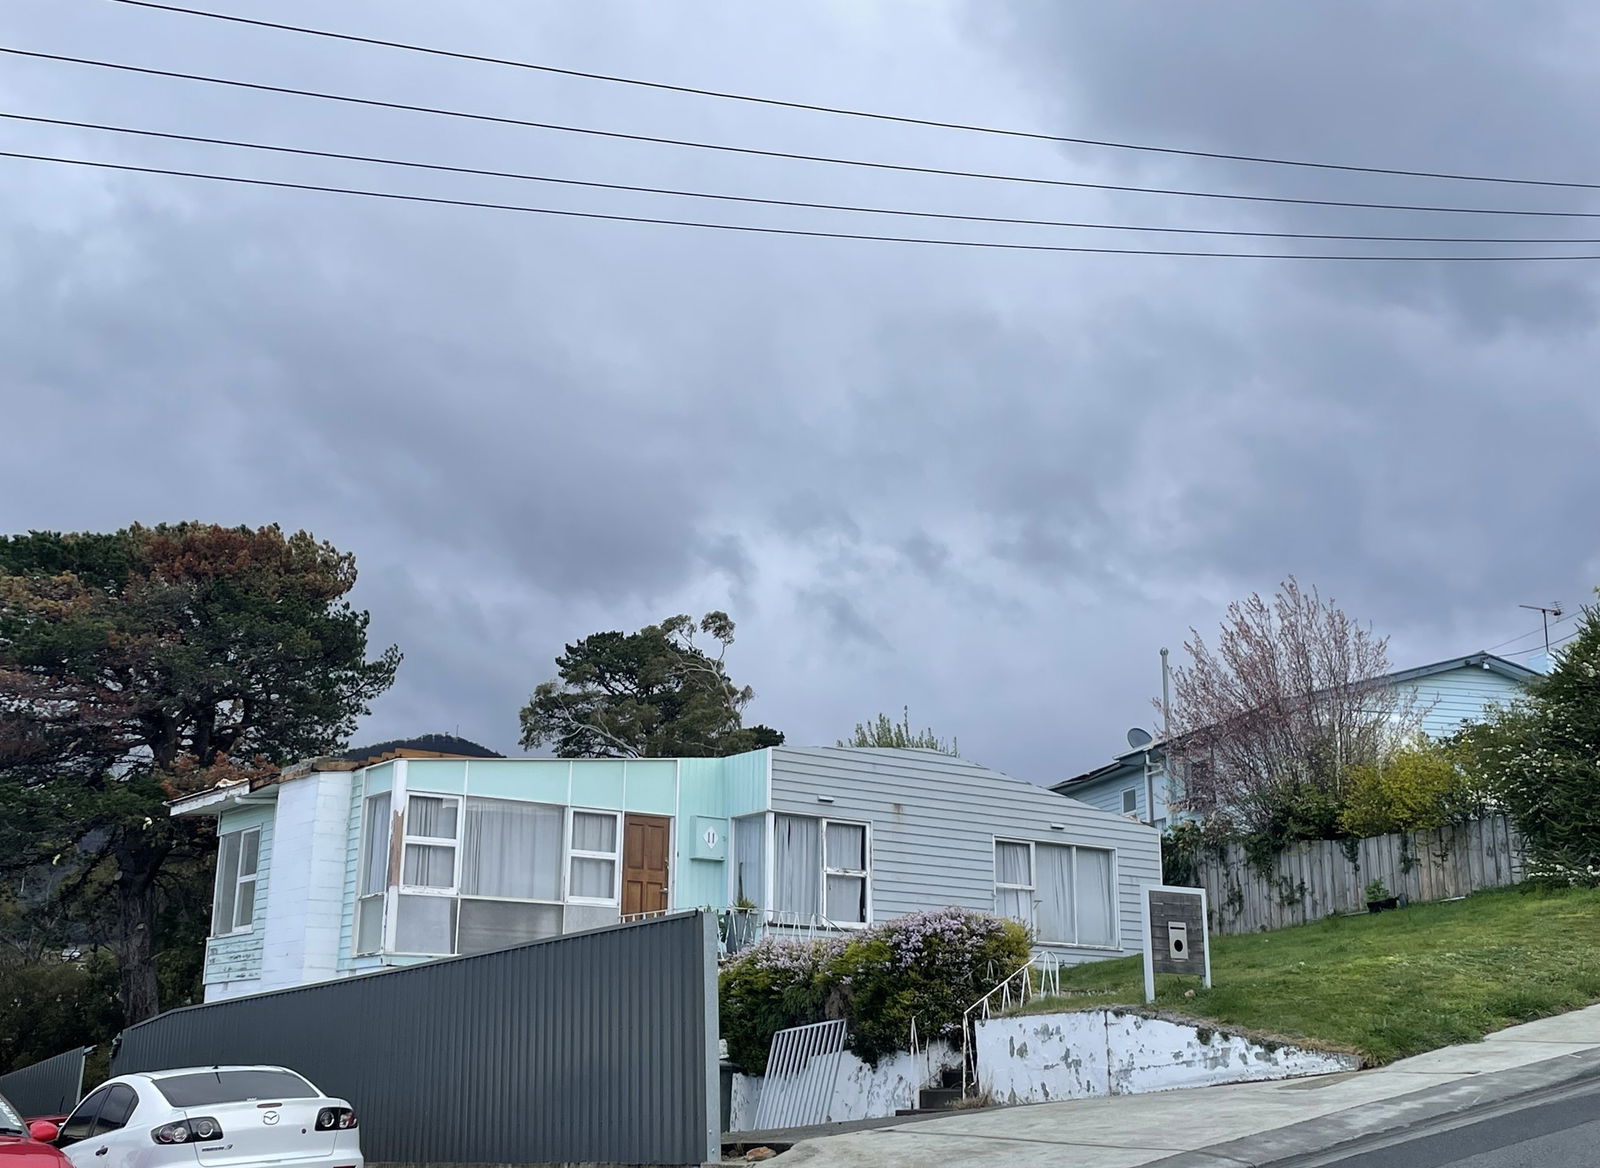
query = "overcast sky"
x=990 y=485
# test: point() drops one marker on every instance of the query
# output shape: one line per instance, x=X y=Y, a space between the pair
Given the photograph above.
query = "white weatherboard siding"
x=1459 y=695
x=233 y=962
x=305 y=901
x=934 y=820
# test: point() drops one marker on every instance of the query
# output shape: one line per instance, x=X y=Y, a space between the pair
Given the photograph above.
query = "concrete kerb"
x=1343 y=1133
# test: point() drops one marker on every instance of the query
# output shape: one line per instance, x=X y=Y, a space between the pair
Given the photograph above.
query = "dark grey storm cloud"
x=987 y=485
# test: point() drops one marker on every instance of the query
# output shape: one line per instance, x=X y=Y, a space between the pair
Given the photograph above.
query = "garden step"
x=938 y=1098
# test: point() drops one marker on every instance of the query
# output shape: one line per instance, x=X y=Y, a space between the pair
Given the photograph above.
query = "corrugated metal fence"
x=52 y=1086
x=595 y=1048
x=1309 y=881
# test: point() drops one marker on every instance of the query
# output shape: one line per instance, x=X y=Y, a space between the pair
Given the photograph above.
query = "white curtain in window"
x=425 y=924
x=375 y=876
x=593 y=833
x=593 y=879
x=1096 y=918
x=489 y=924
x=847 y=900
x=512 y=850
x=427 y=866
x=1053 y=894
x=797 y=856
x=847 y=846
x=227 y=883
x=749 y=858
x=431 y=816
x=1011 y=867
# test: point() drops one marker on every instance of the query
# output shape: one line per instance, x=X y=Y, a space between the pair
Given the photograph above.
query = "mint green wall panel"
x=746 y=780
x=597 y=782
x=446 y=776
x=704 y=789
x=539 y=780
x=652 y=786
x=377 y=779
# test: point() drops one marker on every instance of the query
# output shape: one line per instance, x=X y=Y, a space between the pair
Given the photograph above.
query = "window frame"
x=235 y=929
x=98 y=1097
x=864 y=874
x=571 y=853
x=1031 y=887
x=364 y=854
x=823 y=871
x=1130 y=795
x=101 y=1126
x=408 y=839
x=1033 y=875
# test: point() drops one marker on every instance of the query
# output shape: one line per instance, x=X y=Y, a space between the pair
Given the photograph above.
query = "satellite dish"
x=1138 y=738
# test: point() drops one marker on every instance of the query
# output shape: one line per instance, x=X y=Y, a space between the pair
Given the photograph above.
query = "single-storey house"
x=345 y=865
x=1446 y=695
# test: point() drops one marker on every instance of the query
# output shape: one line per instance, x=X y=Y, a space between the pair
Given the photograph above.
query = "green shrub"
x=769 y=987
x=1418 y=788
x=929 y=966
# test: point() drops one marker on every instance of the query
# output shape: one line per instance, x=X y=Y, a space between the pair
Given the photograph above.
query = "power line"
x=1513 y=640
x=905 y=168
x=799 y=203
x=1541 y=649
x=790 y=231
x=844 y=111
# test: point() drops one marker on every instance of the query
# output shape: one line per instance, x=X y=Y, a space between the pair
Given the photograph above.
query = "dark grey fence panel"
x=596 y=1048
x=50 y=1087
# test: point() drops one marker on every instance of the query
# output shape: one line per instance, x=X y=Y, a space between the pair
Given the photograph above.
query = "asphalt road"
x=1557 y=1132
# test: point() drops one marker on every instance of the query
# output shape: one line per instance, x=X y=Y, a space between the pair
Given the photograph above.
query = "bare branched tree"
x=1290 y=700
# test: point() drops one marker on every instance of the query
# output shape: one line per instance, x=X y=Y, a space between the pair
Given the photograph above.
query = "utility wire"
x=1540 y=648
x=843 y=111
x=906 y=168
x=790 y=231
x=541 y=178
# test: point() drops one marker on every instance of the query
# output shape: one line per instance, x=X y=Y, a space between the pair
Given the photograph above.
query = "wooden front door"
x=645 y=843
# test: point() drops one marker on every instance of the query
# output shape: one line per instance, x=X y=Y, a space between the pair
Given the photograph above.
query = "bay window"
x=480 y=874
x=1063 y=893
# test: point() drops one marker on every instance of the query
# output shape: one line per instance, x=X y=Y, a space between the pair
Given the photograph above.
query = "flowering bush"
x=927 y=965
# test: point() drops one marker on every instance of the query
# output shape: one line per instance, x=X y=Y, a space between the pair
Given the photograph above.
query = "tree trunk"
x=135 y=944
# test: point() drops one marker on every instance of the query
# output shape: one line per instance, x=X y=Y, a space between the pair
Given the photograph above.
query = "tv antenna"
x=1553 y=610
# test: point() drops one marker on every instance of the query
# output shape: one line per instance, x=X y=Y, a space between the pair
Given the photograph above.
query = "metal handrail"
x=1048 y=967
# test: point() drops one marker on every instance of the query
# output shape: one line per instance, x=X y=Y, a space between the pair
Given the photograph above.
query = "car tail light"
x=330 y=1118
x=197 y=1129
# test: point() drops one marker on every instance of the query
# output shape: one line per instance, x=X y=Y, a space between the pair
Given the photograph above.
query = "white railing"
x=740 y=928
x=1039 y=976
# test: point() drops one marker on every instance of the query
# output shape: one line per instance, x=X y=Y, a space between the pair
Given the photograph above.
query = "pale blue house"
x=345 y=865
x=1446 y=695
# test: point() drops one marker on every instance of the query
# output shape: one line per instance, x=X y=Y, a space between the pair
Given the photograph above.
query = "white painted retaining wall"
x=861 y=1092
x=1043 y=1057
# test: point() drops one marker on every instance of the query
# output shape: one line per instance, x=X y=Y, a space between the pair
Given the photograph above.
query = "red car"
x=25 y=1145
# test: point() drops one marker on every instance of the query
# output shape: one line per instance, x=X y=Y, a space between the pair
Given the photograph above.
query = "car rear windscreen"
x=204 y=1088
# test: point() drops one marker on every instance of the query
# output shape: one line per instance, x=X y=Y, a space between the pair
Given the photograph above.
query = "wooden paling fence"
x=1309 y=881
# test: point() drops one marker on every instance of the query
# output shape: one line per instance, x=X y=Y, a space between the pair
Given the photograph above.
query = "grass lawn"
x=1388 y=985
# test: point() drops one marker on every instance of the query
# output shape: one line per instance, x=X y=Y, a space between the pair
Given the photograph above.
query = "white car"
x=215 y=1117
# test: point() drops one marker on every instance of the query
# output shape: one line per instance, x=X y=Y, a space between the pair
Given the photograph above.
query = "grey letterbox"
x=1178 y=940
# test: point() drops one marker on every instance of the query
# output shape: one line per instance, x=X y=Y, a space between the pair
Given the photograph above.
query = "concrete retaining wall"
x=1043 y=1057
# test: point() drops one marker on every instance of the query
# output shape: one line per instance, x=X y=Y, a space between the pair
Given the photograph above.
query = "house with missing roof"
x=400 y=855
x=1447 y=694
